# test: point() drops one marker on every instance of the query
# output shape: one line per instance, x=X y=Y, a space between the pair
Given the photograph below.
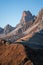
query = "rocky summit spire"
x=26 y=17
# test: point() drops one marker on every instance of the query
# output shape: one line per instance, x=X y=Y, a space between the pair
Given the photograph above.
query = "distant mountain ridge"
x=25 y=21
x=7 y=29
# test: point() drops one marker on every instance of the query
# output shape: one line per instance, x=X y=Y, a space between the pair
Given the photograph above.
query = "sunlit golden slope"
x=13 y=54
x=25 y=38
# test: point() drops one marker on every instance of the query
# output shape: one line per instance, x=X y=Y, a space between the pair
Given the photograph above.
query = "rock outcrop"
x=1 y=30
x=8 y=28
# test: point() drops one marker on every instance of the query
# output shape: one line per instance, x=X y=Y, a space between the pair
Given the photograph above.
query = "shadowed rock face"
x=1 y=30
x=26 y=17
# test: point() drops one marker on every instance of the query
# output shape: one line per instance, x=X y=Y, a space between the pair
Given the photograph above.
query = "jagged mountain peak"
x=25 y=13
x=26 y=17
x=8 y=25
x=8 y=28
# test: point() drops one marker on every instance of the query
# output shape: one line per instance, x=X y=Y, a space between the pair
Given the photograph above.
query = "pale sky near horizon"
x=11 y=10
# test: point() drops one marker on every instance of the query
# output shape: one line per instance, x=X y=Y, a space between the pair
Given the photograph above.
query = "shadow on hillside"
x=35 y=55
x=35 y=42
x=37 y=37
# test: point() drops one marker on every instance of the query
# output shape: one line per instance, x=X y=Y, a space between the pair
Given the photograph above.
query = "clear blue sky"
x=11 y=10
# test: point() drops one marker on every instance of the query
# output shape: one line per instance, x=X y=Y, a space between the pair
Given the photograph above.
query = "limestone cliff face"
x=26 y=20
x=26 y=17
